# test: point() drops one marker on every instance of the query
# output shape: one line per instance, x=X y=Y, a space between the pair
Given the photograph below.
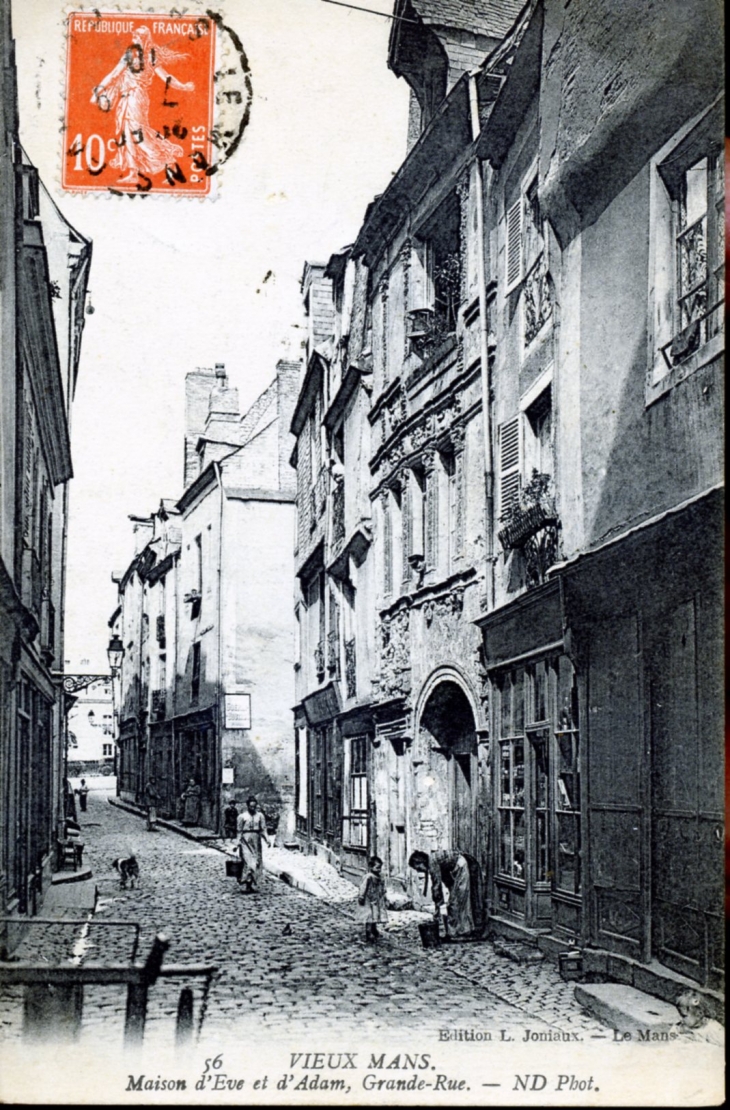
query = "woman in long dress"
x=140 y=149
x=460 y=874
x=251 y=834
x=190 y=799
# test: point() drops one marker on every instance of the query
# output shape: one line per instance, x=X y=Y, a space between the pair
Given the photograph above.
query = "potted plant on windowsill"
x=533 y=509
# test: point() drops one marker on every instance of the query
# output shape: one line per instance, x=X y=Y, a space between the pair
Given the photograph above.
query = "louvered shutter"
x=509 y=463
x=513 y=249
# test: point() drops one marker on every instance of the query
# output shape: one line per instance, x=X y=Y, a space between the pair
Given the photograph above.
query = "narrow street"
x=285 y=958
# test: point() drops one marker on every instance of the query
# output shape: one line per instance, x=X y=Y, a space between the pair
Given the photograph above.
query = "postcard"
x=361 y=489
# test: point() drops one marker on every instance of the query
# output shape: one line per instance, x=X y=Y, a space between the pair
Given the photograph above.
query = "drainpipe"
x=218 y=762
x=484 y=349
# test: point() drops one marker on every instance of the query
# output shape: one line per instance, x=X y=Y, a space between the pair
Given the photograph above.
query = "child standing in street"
x=371 y=899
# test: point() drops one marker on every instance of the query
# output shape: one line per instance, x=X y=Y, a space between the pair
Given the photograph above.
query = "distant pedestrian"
x=151 y=797
x=230 y=820
x=251 y=834
x=190 y=799
x=83 y=793
x=371 y=899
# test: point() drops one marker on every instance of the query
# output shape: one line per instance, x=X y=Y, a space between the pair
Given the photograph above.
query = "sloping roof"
x=482 y=17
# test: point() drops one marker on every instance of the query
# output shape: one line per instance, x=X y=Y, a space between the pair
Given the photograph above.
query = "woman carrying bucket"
x=460 y=874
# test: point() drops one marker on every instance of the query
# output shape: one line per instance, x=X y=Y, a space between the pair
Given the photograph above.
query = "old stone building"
x=334 y=565
x=410 y=748
x=205 y=613
x=44 y=265
x=529 y=319
x=603 y=645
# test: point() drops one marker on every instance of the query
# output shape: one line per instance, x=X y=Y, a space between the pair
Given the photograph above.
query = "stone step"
x=627 y=1009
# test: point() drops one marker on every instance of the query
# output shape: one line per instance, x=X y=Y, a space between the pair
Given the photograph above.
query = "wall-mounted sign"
x=237 y=710
x=227 y=779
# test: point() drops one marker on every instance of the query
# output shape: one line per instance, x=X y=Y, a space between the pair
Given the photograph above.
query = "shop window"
x=512 y=808
x=539 y=743
x=567 y=796
x=511 y=798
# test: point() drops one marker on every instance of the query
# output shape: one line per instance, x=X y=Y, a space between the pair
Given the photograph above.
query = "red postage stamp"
x=140 y=103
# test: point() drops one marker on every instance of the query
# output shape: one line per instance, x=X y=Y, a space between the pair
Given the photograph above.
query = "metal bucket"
x=234 y=868
x=429 y=931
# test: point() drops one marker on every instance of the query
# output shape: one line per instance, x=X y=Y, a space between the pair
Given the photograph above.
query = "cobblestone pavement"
x=285 y=958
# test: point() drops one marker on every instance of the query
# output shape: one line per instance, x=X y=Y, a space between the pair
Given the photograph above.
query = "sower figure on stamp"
x=140 y=149
x=251 y=834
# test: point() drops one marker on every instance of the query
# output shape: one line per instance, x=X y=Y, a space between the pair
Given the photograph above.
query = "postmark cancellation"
x=153 y=103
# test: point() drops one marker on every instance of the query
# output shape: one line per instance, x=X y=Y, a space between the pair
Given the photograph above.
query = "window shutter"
x=514 y=244
x=509 y=463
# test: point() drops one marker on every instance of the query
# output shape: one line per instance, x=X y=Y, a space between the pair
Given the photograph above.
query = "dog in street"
x=128 y=872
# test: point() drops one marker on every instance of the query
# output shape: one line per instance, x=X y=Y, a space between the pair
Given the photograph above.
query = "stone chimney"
x=223 y=401
x=318 y=305
x=199 y=385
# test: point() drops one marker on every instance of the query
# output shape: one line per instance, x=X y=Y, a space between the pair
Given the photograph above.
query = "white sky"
x=174 y=283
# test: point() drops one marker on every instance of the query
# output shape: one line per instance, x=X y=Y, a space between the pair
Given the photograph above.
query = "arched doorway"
x=448 y=720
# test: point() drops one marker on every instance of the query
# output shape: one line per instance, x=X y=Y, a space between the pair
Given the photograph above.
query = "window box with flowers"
x=530 y=524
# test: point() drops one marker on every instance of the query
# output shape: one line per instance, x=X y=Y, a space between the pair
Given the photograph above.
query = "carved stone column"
x=431 y=538
x=406 y=525
x=458 y=438
x=463 y=191
x=383 y=291
x=405 y=260
x=385 y=509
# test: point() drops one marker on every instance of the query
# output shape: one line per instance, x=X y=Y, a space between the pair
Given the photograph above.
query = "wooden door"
x=463 y=787
x=686 y=843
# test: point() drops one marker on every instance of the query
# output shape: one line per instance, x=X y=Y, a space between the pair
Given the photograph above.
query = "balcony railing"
x=531 y=525
x=698 y=332
x=524 y=522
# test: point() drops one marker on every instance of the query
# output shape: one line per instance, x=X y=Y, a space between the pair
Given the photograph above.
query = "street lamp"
x=115 y=654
